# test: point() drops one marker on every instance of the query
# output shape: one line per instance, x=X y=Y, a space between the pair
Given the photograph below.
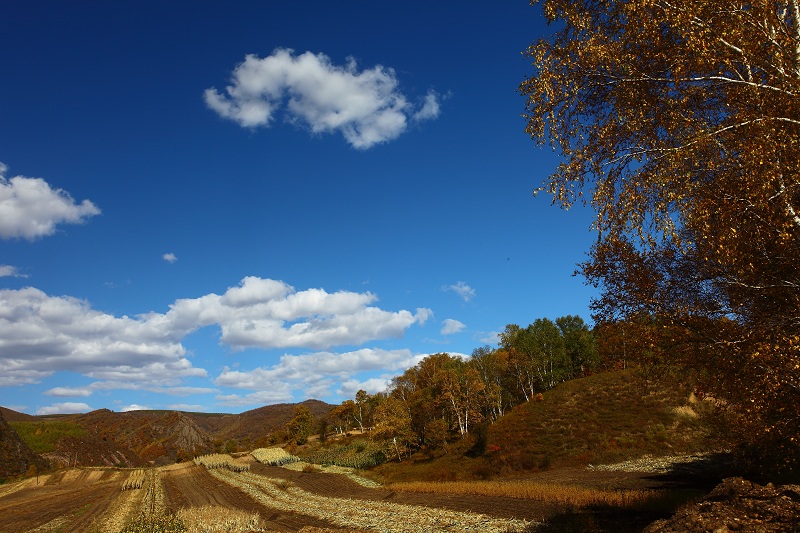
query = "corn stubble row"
x=221 y=460
x=273 y=456
x=373 y=515
x=134 y=481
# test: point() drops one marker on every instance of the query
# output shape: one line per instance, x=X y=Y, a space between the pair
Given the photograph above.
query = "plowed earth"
x=338 y=486
x=80 y=499
x=67 y=501
x=195 y=487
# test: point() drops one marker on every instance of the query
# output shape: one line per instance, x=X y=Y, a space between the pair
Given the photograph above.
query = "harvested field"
x=71 y=501
x=278 y=499
x=194 y=486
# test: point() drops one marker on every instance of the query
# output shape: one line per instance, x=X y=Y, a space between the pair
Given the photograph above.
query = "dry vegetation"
x=273 y=456
x=571 y=495
x=222 y=460
x=217 y=519
x=378 y=516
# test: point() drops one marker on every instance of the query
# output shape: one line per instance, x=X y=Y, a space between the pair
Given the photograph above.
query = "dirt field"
x=92 y=500
x=70 y=500
x=194 y=486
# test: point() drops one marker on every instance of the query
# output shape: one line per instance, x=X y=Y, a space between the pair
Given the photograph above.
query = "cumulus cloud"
x=66 y=408
x=492 y=337
x=169 y=258
x=8 y=271
x=278 y=394
x=30 y=208
x=365 y=106
x=466 y=292
x=264 y=313
x=450 y=326
x=134 y=407
x=187 y=407
x=42 y=334
x=350 y=387
x=430 y=108
x=316 y=373
x=68 y=392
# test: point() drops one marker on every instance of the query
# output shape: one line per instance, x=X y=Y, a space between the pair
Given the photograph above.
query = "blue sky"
x=215 y=207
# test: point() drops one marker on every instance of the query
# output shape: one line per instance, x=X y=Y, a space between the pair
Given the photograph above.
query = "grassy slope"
x=603 y=418
x=43 y=436
x=599 y=419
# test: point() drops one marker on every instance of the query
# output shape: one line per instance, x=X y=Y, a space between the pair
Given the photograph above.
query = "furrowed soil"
x=92 y=500
x=194 y=486
x=339 y=486
x=66 y=501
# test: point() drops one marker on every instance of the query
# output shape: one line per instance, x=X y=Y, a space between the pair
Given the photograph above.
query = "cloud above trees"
x=365 y=106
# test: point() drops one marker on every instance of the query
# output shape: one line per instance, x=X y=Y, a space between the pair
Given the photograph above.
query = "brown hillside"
x=14 y=416
x=155 y=436
x=16 y=458
x=259 y=422
x=603 y=418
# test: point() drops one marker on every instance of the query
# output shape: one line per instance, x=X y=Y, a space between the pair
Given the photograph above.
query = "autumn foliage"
x=680 y=123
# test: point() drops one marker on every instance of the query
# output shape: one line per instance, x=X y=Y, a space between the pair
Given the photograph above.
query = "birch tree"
x=680 y=123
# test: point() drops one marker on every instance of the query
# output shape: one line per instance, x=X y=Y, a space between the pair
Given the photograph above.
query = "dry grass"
x=134 y=481
x=222 y=460
x=571 y=495
x=216 y=519
x=273 y=456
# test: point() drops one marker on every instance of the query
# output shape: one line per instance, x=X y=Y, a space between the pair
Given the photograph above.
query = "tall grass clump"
x=273 y=456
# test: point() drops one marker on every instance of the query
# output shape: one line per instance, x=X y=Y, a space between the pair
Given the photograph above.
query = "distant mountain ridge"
x=137 y=438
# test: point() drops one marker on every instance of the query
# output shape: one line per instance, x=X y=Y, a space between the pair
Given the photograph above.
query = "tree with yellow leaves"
x=680 y=123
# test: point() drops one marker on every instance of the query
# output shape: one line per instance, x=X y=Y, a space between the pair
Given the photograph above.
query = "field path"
x=194 y=486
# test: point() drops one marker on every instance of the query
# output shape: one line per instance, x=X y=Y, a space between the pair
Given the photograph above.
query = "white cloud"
x=8 y=271
x=30 y=208
x=279 y=394
x=68 y=392
x=316 y=374
x=169 y=258
x=365 y=106
x=450 y=326
x=373 y=385
x=462 y=289
x=134 y=407
x=311 y=368
x=187 y=407
x=493 y=338
x=264 y=313
x=42 y=334
x=65 y=408
x=430 y=109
